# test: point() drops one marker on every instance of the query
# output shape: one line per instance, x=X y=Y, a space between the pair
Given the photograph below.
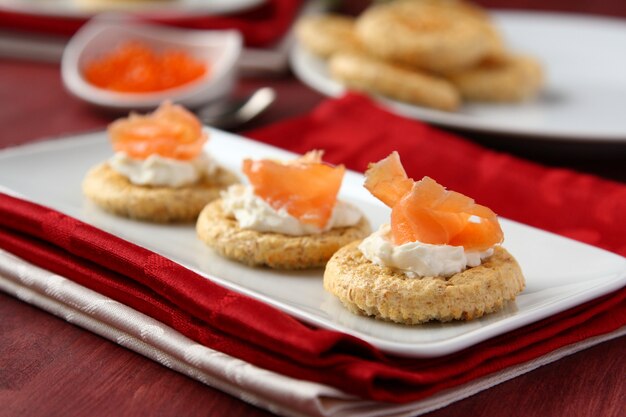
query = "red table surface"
x=51 y=368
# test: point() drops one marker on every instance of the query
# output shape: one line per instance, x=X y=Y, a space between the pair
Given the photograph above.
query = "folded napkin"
x=266 y=389
x=228 y=322
x=260 y=27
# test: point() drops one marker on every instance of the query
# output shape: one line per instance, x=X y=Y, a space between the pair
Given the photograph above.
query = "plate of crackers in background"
x=455 y=64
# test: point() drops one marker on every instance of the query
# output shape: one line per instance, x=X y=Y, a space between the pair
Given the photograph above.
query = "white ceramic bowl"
x=219 y=49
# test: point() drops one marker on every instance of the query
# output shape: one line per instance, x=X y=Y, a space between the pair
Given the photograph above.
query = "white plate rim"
x=179 y=8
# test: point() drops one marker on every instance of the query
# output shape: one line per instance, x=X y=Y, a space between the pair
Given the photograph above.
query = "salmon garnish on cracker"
x=306 y=188
x=425 y=211
x=171 y=132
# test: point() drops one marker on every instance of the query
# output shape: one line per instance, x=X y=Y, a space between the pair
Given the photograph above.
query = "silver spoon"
x=228 y=114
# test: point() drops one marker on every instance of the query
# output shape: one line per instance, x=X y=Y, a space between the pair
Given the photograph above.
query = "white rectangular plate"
x=560 y=273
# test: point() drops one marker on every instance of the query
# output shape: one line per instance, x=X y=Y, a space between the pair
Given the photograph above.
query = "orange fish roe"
x=134 y=67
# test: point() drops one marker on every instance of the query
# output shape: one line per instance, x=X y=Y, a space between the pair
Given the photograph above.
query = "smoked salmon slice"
x=425 y=211
x=170 y=131
x=306 y=188
x=387 y=180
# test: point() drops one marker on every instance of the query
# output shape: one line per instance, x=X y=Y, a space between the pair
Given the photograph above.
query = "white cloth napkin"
x=265 y=389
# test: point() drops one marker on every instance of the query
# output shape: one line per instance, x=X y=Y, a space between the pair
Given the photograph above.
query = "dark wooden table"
x=51 y=368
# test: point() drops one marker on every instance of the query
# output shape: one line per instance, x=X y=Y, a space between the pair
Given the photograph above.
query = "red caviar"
x=135 y=68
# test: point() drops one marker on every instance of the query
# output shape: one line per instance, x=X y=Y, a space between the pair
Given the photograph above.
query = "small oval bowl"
x=220 y=50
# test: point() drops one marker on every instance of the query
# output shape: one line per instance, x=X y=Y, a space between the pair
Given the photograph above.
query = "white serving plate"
x=560 y=273
x=584 y=59
x=89 y=8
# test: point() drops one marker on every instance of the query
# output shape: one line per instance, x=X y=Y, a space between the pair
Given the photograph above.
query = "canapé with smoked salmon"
x=439 y=258
x=160 y=171
x=288 y=217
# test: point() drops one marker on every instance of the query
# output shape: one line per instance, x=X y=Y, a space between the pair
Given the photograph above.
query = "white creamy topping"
x=160 y=171
x=418 y=259
x=252 y=212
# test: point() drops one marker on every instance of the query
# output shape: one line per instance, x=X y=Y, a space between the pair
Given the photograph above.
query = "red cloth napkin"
x=227 y=321
x=261 y=26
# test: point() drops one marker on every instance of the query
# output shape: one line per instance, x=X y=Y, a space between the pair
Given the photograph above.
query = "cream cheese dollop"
x=417 y=259
x=160 y=171
x=252 y=212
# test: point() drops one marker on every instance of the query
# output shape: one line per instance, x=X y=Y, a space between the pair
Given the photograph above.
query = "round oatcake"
x=222 y=233
x=369 y=74
x=327 y=34
x=115 y=193
x=372 y=290
x=428 y=35
x=509 y=78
